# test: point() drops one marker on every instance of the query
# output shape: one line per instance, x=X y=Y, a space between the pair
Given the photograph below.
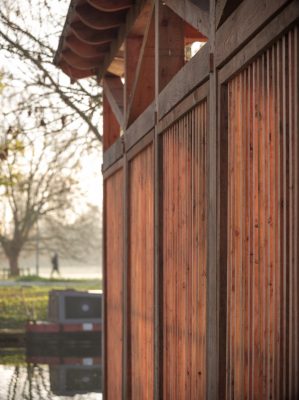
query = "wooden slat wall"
x=184 y=256
x=262 y=256
x=114 y=288
x=141 y=275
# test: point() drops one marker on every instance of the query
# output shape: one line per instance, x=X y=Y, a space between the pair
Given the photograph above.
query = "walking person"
x=55 y=265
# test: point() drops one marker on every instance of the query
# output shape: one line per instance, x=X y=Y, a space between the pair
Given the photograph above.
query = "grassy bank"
x=20 y=303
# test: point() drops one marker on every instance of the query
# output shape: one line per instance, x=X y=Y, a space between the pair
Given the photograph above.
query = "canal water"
x=51 y=372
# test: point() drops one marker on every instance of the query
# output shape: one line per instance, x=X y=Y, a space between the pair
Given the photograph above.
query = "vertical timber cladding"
x=262 y=256
x=114 y=288
x=184 y=256
x=141 y=275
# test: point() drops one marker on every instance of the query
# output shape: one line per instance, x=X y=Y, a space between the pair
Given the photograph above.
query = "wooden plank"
x=197 y=15
x=158 y=271
x=183 y=107
x=110 y=6
x=222 y=206
x=114 y=92
x=84 y=49
x=111 y=128
x=113 y=154
x=213 y=183
x=113 y=168
x=194 y=73
x=262 y=227
x=141 y=276
x=140 y=127
x=140 y=145
x=184 y=255
x=114 y=285
x=91 y=36
x=126 y=284
x=262 y=40
x=104 y=341
x=252 y=16
x=79 y=62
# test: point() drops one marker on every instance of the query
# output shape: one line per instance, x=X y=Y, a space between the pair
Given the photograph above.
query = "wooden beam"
x=132 y=53
x=177 y=111
x=75 y=73
x=139 y=128
x=251 y=16
x=170 y=51
x=110 y=125
x=91 y=36
x=114 y=92
x=99 y=20
x=81 y=63
x=123 y=31
x=196 y=15
x=117 y=67
x=143 y=88
x=84 y=49
x=270 y=32
x=110 y=5
x=113 y=155
x=195 y=72
x=193 y=35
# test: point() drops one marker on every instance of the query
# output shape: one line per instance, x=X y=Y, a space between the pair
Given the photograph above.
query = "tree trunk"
x=14 y=264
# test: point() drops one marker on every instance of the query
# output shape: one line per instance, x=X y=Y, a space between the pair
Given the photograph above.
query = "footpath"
x=8 y=283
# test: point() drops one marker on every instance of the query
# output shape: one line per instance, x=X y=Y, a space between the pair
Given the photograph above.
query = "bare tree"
x=40 y=181
x=29 y=33
x=46 y=123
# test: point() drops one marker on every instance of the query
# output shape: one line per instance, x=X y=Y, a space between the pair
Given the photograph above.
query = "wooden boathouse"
x=201 y=193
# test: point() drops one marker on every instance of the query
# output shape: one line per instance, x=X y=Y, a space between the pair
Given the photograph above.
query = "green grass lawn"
x=20 y=303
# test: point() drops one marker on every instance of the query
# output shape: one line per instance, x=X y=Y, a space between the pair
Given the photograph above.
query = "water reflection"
x=59 y=368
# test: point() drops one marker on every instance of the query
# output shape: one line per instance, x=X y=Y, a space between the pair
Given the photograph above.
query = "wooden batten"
x=110 y=125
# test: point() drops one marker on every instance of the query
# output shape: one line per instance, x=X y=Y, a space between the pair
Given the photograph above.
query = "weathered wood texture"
x=141 y=276
x=111 y=126
x=222 y=194
x=184 y=256
x=262 y=230
x=114 y=286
